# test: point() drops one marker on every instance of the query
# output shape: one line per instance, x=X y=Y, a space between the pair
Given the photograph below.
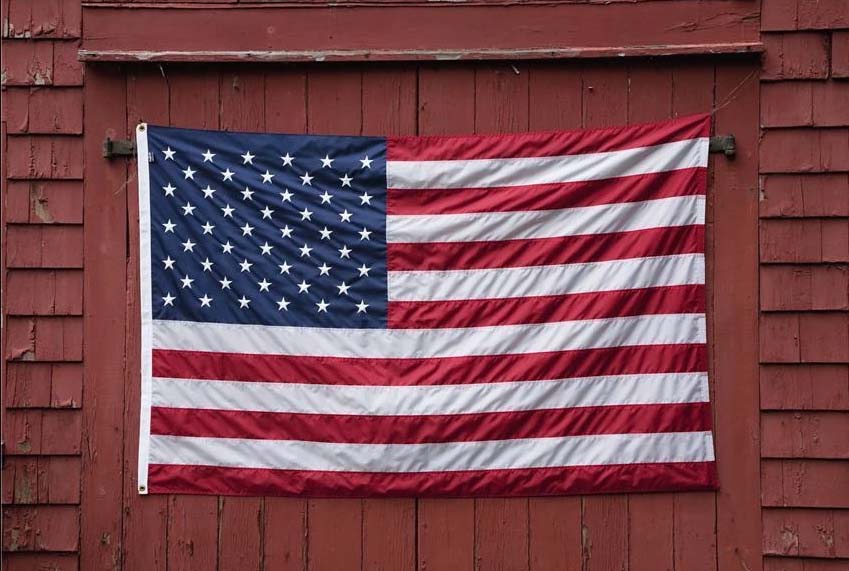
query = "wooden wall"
x=70 y=365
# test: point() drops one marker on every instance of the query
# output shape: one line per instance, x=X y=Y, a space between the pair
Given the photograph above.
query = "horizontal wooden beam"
x=291 y=33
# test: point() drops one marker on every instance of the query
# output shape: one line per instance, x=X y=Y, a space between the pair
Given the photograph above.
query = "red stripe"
x=547 y=309
x=625 y=419
x=683 y=182
x=434 y=148
x=546 y=251
x=688 y=358
x=677 y=476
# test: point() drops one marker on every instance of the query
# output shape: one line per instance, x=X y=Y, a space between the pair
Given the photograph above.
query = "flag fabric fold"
x=502 y=315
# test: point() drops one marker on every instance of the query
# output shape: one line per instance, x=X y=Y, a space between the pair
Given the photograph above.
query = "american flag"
x=424 y=316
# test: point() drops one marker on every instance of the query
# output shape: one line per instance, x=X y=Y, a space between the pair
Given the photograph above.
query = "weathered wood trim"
x=417 y=55
x=398 y=33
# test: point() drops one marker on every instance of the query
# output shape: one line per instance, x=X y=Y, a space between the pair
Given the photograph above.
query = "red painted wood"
x=736 y=323
x=285 y=519
x=605 y=532
x=419 y=28
x=446 y=528
x=105 y=326
x=805 y=387
x=193 y=522
x=41 y=528
x=805 y=434
x=146 y=519
x=805 y=483
x=45 y=201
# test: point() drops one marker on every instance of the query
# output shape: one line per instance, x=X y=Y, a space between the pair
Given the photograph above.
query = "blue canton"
x=268 y=229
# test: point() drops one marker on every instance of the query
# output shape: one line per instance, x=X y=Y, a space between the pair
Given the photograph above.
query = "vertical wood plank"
x=605 y=533
x=389 y=103
x=694 y=525
x=501 y=524
x=446 y=528
x=145 y=518
x=554 y=534
x=736 y=321
x=650 y=532
x=650 y=516
x=555 y=96
x=605 y=98
x=242 y=108
x=193 y=521
x=334 y=106
x=605 y=518
x=285 y=519
x=105 y=324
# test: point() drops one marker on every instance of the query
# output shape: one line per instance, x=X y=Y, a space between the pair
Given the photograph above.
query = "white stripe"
x=426 y=343
x=598 y=219
x=442 y=457
x=486 y=173
x=611 y=390
x=492 y=283
x=146 y=353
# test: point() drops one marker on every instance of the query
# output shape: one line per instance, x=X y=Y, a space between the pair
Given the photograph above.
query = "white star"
x=188 y=209
x=363 y=270
x=306 y=214
x=207 y=228
x=346 y=180
x=204 y=301
x=286 y=196
x=228 y=211
x=245 y=265
x=226 y=248
x=304 y=287
x=169 y=263
x=345 y=215
x=169 y=154
x=225 y=283
x=266 y=213
x=227 y=174
x=326 y=161
x=325 y=198
x=266 y=249
x=266 y=178
x=207 y=265
x=208 y=191
x=189 y=246
x=169 y=226
x=343 y=288
x=365 y=234
x=247 y=194
x=286 y=231
x=284 y=267
x=247 y=229
x=187 y=282
x=324 y=270
x=263 y=285
x=169 y=189
x=189 y=173
x=283 y=305
x=344 y=251
x=306 y=179
x=244 y=302
x=287 y=160
x=168 y=299
x=325 y=234
x=305 y=251
x=322 y=306
x=361 y=307
x=365 y=198
x=248 y=158
x=207 y=156
x=366 y=162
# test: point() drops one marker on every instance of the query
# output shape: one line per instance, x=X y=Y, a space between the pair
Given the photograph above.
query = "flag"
x=499 y=315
